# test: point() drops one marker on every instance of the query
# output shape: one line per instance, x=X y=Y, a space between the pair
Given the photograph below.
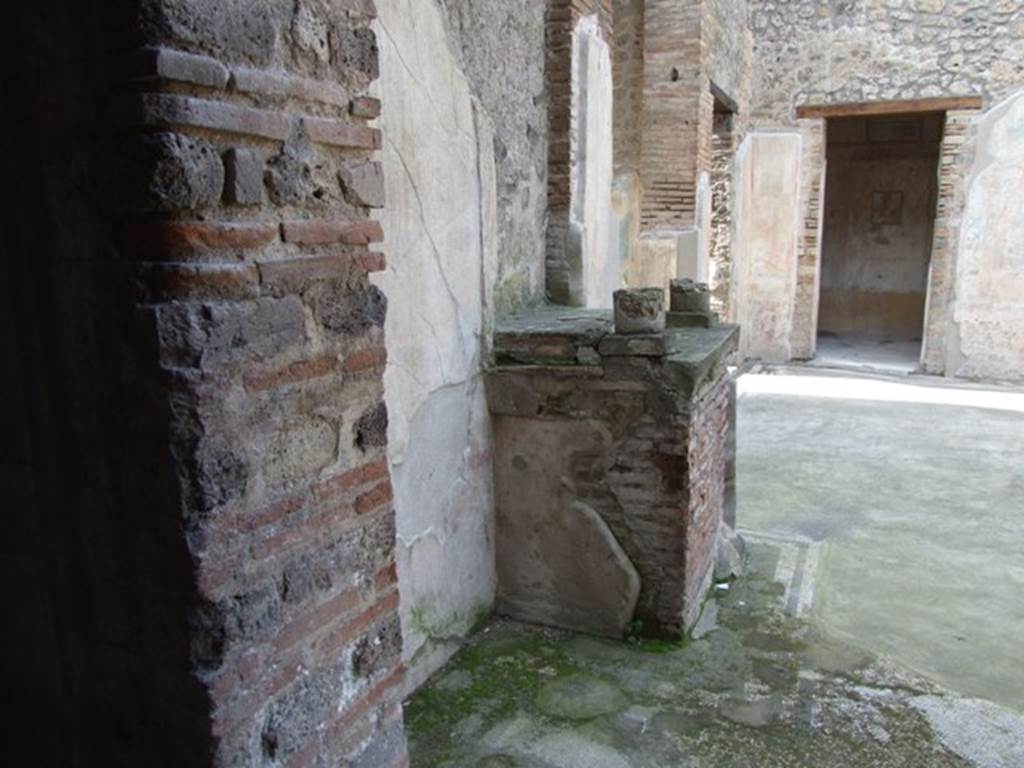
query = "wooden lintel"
x=871 y=108
x=724 y=99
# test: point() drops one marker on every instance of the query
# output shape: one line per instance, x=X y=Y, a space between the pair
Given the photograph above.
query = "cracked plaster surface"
x=439 y=224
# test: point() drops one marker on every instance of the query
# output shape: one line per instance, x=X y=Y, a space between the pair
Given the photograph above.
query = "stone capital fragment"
x=689 y=296
x=639 y=310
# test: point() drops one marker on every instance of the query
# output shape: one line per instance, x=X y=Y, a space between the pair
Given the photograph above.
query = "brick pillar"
x=804 y=336
x=561 y=19
x=207 y=208
x=675 y=102
x=954 y=166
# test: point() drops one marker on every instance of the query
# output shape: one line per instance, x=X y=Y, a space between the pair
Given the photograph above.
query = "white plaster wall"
x=767 y=228
x=440 y=227
x=592 y=171
x=986 y=335
x=655 y=261
x=625 y=217
x=694 y=242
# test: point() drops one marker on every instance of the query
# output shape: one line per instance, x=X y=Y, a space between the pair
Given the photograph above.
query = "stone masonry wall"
x=819 y=52
x=500 y=44
x=232 y=591
x=723 y=156
x=727 y=48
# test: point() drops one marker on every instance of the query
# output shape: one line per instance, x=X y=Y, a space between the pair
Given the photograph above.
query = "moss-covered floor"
x=764 y=688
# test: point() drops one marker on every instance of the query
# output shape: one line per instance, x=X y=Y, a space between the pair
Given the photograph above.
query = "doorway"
x=880 y=202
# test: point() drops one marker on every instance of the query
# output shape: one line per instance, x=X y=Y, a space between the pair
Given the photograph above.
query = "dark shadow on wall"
x=97 y=575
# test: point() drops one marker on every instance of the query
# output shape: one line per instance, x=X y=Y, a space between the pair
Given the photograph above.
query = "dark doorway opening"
x=880 y=197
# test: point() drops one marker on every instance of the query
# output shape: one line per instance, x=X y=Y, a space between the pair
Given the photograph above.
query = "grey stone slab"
x=558 y=562
x=633 y=345
x=691 y=319
x=696 y=351
x=585 y=326
x=550 y=335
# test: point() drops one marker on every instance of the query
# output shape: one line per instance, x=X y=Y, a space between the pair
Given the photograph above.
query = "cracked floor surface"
x=856 y=577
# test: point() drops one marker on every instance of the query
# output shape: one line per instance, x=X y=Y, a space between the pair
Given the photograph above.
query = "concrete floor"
x=867 y=354
x=912 y=491
x=879 y=622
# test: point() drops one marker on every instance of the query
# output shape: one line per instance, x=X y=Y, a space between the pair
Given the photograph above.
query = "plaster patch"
x=767 y=215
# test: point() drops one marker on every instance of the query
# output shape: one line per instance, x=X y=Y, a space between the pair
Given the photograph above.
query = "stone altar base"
x=610 y=469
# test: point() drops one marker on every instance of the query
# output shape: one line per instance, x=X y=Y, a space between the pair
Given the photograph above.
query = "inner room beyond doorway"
x=880 y=204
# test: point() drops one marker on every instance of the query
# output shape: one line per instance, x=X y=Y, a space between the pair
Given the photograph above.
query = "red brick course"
x=366 y=107
x=292 y=373
x=366 y=360
x=373 y=499
x=341 y=134
x=296 y=274
x=326 y=231
x=185 y=238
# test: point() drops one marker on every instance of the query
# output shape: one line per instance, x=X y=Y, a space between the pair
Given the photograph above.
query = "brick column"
x=562 y=16
x=673 y=108
x=253 y=259
x=954 y=166
x=804 y=336
x=211 y=197
x=627 y=434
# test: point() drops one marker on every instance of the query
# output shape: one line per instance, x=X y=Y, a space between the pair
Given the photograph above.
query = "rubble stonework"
x=639 y=435
x=501 y=45
x=812 y=53
x=723 y=153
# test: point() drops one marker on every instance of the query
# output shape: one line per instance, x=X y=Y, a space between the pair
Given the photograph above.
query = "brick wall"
x=707 y=464
x=692 y=51
x=207 y=187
